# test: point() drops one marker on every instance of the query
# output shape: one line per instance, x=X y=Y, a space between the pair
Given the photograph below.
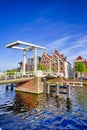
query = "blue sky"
x=55 y=24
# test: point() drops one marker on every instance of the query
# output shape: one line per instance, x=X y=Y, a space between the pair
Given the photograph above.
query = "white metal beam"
x=17 y=47
x=35 y=60
x=24 y=62
x=23 y=43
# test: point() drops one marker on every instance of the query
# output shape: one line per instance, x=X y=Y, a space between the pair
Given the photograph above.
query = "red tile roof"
x=79 y=58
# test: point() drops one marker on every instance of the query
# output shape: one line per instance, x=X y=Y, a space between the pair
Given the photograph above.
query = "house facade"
x=84 y=61
x=58 y=63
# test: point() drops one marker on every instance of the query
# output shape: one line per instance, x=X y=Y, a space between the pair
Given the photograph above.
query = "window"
x=61 y=68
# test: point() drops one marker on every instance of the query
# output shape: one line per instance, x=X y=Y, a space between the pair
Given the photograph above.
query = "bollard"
x=48 y=88
x=57 y=89
x=68 y=91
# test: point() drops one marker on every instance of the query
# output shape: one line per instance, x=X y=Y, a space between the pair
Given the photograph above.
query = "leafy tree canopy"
x=12 y=71
x=41 y=67
x=80 y=67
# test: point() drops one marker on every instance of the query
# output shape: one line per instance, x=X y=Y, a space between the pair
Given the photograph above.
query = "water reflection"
x=30 y=111
x=24 y=102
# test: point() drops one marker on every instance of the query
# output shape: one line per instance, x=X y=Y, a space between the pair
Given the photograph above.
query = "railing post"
x=22 y=75
x=5 y=76
x=68 y=91
x=48 y=88
x=81 y=84
x=0 y=75
x=57 y=89
x=15 y=75
x=28 y=75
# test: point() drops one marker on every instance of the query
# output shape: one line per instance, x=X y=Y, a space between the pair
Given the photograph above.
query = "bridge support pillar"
x=32 y=86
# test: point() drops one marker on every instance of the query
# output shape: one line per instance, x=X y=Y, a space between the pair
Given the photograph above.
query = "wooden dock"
x=76 y=82
x=58 y=89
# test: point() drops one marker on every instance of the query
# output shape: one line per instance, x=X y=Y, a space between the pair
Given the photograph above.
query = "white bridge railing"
x=15 y=75
x=52 y=73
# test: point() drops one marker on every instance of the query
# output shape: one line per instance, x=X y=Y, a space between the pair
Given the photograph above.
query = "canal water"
x=23 y=111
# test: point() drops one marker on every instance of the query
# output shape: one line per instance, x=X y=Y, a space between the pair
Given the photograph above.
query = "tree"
x=12 y=71
x=80 y=67
x=41 y=67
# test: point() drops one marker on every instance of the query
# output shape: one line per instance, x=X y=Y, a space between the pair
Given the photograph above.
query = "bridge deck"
x=15 y=80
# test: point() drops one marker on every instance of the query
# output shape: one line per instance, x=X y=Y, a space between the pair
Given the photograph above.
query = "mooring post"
x=48 y=88
x=68 y=91
x=57 y=89
x=6 y=86
x=12 y=86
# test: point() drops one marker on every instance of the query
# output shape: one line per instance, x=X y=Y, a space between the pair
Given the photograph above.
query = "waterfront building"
x=58 y=63
x=31 y=63
x=29 y=66
x=84 y=61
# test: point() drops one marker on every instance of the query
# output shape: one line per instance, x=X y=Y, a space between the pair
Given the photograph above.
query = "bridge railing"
x=51 y=73
x=16 y=75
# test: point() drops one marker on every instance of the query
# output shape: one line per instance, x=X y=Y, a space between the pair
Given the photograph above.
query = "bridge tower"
x=25 y=47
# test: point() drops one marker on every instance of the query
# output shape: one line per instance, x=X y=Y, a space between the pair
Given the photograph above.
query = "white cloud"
x=58 y=43
x=71 y=46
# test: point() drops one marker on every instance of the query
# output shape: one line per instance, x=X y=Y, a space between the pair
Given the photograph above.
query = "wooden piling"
x=6 y=86
x=48 y=88
x=68 y=91
x=57 y=89
x=12 y=86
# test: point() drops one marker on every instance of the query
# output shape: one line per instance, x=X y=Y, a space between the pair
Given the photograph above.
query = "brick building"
x=84 y=61
x=57 y=62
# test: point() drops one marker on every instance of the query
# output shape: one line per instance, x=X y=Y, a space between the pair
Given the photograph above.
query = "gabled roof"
x=61 y=56
x=49 y=56
x=79 y=58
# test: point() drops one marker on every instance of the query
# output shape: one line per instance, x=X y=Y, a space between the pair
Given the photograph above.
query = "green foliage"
x=41 y=67
x=12 y=72
x=52 y=68
x=80 y=67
